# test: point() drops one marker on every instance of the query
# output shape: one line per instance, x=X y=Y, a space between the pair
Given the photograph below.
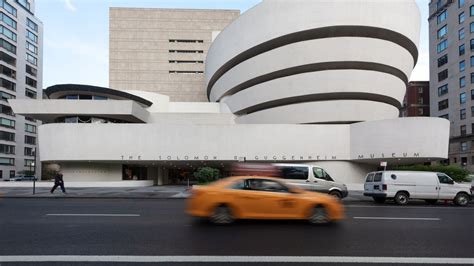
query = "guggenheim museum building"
x=300 y=81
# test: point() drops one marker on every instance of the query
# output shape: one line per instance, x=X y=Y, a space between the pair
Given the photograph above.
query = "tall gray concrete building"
x=21 y=60
x=451 y=24
x=163 y=50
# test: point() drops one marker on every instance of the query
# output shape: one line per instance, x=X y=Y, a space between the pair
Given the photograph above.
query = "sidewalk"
x=156 y=192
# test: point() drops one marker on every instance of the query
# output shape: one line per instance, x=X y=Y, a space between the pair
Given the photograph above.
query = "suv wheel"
x=461 y=199
x=336 y=194
x=401 y=198
x=319 y=215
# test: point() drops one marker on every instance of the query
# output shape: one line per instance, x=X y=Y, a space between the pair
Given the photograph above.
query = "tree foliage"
x=207 y=174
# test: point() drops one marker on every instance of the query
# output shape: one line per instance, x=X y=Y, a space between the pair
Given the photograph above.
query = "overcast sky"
x=76 y=36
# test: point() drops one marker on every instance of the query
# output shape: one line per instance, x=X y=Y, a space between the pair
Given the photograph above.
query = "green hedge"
x=455 y=172
x=206 y=175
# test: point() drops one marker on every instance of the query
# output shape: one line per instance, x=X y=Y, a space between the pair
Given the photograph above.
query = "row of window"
x=462 y=100
x=187 y=51
x=11 y=161
x=7 y=33
x=8 y=20
x=7 y=7
x=83 y=97
x=7 y=46
x=7 y=71
x=7 y=58
x=185 y=72
x=9 y=136
x=6 y=110
x=186 y=41
x=185 y=62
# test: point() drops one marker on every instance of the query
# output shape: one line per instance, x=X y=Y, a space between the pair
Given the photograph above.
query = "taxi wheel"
x=319 y=215
x=222 y=215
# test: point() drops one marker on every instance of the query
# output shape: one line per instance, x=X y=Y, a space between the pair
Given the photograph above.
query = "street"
x=159 y=227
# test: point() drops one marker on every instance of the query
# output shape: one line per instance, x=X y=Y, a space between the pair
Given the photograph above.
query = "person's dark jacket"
x=58 y=179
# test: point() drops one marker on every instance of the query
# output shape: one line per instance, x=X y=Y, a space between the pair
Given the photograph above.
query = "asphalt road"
x=151 y=229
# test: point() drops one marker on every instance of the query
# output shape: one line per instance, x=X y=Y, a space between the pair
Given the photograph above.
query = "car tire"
x=379 y=200
x=461 y=199
x=222 y=214
x=431 y=201
x=401 y=198
x=336 y=194
x=319 y=215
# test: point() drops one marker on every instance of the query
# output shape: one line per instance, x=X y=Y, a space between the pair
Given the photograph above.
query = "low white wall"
x=91 y=172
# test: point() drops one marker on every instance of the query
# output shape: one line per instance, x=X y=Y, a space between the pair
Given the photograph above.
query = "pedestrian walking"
x=58 y=182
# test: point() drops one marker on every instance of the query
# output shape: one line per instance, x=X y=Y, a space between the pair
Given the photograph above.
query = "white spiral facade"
x=306 y=61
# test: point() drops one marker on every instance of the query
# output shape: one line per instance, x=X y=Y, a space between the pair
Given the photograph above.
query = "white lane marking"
x=409 y=207
x=93 y=214
x=398 y=218
x=249 y=259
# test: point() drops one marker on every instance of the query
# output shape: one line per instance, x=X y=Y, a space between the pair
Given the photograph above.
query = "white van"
x=405 y=185
x=311 y=177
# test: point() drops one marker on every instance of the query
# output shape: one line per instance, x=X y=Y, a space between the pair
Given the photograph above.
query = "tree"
x=207 y=174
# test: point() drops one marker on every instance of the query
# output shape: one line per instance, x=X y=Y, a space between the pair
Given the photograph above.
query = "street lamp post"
x=34 y=170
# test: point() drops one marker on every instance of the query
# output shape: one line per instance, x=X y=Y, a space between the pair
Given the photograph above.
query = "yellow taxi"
x=256 y=197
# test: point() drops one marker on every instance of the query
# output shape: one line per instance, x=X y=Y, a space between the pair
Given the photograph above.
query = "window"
x=7 y=161
x=420 y=111
x=443 y=75
x=5 y=96
x=444 y=59
x=462 y=98
x=8 y=33
x=443 y=90
x=9 y=8
x=31 y=25
x=442 y=46
x=472 y=77
x=7 y=136
x=32 y=71
x=264 y=185
x=29 y=162
x=31 y=59
x=462 y=114
x=30 y=94
x=462 y=66
x=7 y=84
x=461 y=18
x=7 y=20
x=442 y=17
x=30 y=140
x=471 y=11
x=463 y=130
x=7 y=122
x=462 y=82
x=30 y=119
x=294 y=172
x=8 y=46
x=30 y=128
x=30 y=47
x=472 y=114
x=30 y=82
x=7 y=71
x=443 y=31
x=460 y=3
x=463 y=146
x=471 y=27
x=472 y=94
x=7 y=149
x=461 y=34
x=321 y=174
x=444 y=179
x=187 y=51
x=463 y=161
x=446 y=116
x=29 y=151
x=443 y=105
x=7 y=110
x=31 y=36
x=7 y=58
x=462 y=50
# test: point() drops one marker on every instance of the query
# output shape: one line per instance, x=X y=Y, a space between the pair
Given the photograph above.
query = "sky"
x=76 y=36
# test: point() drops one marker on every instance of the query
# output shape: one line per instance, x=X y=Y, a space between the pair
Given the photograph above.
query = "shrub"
x=457 y=173
x=207 y=174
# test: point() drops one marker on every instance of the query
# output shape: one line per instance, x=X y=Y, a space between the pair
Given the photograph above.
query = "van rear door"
x=368 y=185
x=377 y=184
